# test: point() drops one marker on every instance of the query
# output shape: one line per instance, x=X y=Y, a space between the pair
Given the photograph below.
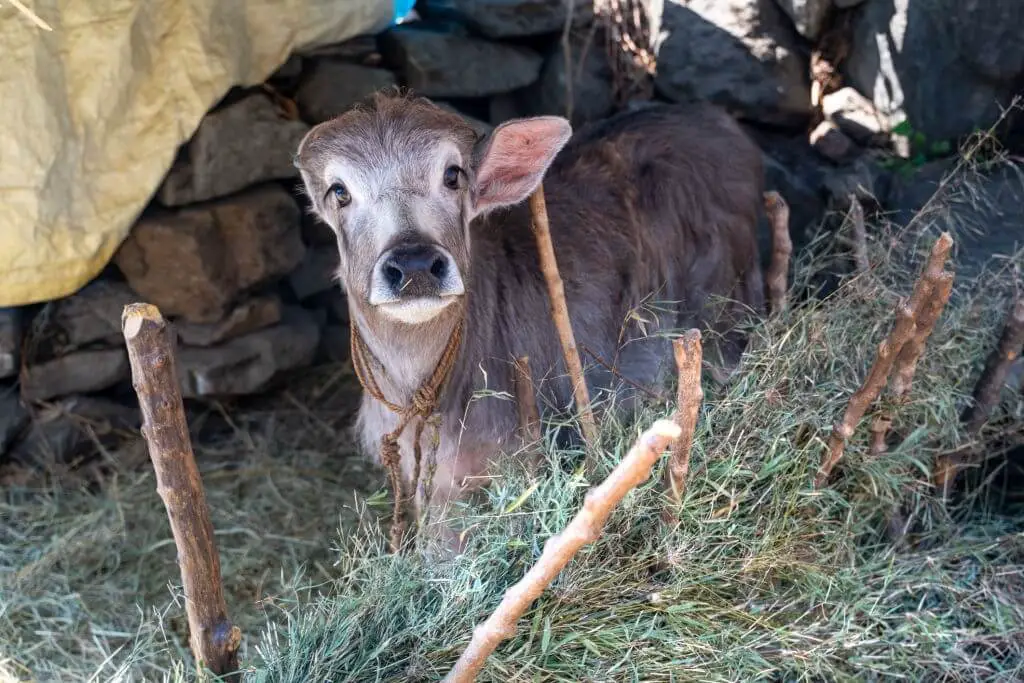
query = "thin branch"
x=990 y=385
x=860 y=236
x=931 y=294
x=584 y=528
x=526 y=400
x=782 y=249
x=213 y=638
x=560 y=314
x=985 y=398
x=868 y=392
x=689 y=355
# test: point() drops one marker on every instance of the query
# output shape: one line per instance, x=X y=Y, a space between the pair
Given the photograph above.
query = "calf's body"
x=653 y=217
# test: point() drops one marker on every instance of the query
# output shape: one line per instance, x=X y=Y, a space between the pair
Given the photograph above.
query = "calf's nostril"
x=438 y=267
x=394 y=276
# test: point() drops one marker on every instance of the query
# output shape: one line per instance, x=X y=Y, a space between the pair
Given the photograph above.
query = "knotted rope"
x=423 y=405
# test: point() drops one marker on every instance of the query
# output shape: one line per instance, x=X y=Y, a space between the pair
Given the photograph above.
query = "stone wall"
x=229 y=250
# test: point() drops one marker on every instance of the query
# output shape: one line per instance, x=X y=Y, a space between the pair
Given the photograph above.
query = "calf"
x=437 y=254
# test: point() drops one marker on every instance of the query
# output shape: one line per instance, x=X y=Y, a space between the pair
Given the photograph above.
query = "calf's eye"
x=340 y=193
x=451 y=177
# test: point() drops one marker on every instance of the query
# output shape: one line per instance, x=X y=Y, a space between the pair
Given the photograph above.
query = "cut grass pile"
x=763 y=579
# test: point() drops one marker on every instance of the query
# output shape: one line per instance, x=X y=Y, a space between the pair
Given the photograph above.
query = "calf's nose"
x=418 y=266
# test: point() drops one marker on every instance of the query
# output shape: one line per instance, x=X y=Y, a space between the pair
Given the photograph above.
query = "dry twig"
x=584 y=528
x=931 y=293
x=782 y=248
x=990 y=384
x=526 y=400
x=860 y=236
x=868 y=392
x=560 y=314
x=689 y=354
x=213 y=638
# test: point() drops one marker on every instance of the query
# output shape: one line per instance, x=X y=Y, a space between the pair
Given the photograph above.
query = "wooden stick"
x=526 y=400
x=990 y=385
x=860 y=236
x=868 y=392
x=560 y=313
x=584 y=528
x=689 y=354
x=931 y=294
x=213 y=638
x=782 y=248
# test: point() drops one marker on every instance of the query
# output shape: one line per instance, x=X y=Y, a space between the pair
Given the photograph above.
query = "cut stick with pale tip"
x=782 y=249
x=150 y=340
x=868 y=391
x=689 y=355
x=584 y=528
x=990 y=384
x=560 y=315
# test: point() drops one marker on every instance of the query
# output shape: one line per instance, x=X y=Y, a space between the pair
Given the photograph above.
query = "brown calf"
x=654 y=208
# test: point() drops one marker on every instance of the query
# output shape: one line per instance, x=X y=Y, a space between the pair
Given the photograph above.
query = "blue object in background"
x=402 y=8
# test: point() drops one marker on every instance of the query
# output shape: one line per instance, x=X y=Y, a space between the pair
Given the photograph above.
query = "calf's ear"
x=512 y=160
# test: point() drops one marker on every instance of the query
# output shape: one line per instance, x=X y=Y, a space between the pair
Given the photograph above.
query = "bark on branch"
x=986 y=395
x=689 y=354
x=584 y=528
x=990 y=384
x=931 y=293
x=560 y=314
x=213 y=638
x=868 y=392
x=860 y=236
x=929 y=299
x=782 y=249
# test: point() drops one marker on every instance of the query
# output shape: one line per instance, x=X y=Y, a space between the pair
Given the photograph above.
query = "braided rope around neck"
x=423 y=405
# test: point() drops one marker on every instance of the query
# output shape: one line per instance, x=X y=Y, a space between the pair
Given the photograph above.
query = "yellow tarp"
x=92 y=113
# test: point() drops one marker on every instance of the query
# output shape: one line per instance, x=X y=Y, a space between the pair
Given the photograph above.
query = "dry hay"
x=763 y=579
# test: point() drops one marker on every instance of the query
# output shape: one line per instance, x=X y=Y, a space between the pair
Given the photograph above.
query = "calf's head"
x=400 y=179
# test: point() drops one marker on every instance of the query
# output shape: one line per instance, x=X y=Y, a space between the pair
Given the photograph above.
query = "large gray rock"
x=481 y=127
x=982 y=213
x=80 y=372
x=333 y=86
x=93 y=314
x=946 y=66
x=246 y=364
x=807 y=15
x=316 y=273
x=855 y=115
x=195 y=262
x=249 y=316
x=244 y=143
x=504 y=18
x=793 y=169
x=69 y=427
x=741 y=54
x=10 y=341
x=592 y=94
x=440 y=64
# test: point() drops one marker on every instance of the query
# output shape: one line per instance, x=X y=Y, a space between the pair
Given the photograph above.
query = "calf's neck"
x=653 y=218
